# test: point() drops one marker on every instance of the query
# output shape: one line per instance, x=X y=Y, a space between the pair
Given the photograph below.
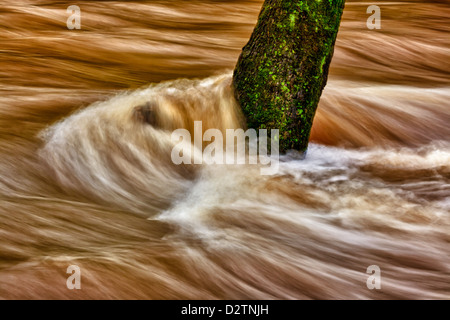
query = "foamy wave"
x=105 y=153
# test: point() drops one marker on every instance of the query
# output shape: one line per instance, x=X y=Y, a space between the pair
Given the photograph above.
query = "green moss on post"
x=283 y=69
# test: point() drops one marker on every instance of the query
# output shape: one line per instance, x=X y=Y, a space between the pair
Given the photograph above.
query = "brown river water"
x=82 y=182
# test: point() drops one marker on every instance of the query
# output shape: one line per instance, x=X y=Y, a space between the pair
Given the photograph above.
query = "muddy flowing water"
x=83 y=182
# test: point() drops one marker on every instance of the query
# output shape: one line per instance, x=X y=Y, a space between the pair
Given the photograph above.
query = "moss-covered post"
x=283 y=69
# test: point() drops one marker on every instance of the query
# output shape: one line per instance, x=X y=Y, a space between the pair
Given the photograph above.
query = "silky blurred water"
x=84 y=182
